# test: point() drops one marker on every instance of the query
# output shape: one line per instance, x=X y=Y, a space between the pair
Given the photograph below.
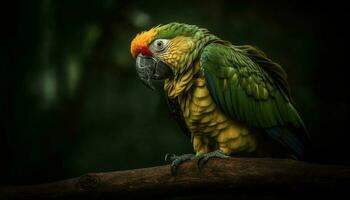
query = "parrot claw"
x=177 y=160
x=203 y=158
x=169 y=157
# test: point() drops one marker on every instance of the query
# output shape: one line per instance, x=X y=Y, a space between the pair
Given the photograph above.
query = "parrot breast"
x=210 y=128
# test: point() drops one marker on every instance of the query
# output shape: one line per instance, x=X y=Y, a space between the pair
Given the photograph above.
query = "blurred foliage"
x=72 y=102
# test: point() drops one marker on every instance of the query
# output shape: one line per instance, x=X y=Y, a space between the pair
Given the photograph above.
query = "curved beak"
x=149 y=68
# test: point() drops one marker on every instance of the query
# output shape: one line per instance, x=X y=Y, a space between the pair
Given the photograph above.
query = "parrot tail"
x=294 y=139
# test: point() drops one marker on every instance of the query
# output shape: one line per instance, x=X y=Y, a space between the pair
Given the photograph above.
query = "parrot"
x=228 y=99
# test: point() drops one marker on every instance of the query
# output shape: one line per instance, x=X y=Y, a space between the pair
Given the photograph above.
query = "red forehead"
x=140 y=43
x=145 y=51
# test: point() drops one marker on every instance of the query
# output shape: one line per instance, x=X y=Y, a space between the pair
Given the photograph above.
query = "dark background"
x=71 y=102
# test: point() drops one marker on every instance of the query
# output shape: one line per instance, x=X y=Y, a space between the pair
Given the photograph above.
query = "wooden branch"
x=248 y=175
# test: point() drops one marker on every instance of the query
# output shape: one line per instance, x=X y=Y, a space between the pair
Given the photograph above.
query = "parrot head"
x=166 y=51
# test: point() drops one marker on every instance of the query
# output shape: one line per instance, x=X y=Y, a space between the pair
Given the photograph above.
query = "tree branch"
x=251 y=175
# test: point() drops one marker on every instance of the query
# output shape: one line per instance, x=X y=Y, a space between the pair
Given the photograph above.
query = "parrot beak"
x=149 y=68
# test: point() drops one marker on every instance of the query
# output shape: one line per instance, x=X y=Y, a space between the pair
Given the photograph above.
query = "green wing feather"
x=249 y=87
x=246 y=91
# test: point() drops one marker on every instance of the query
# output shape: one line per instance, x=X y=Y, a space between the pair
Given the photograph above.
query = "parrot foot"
x=203 y=158
x=177 y=160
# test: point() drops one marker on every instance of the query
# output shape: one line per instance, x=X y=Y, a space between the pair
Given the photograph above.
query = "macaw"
x=228 y=99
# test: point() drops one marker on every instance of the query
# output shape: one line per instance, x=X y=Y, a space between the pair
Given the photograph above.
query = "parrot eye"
x=159 y=45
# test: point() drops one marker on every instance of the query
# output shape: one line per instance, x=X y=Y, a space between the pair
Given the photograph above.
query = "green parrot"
x=230 y=100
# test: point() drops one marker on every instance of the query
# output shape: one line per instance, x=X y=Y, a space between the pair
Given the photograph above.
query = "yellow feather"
x=210 y=108
x=196 y=142
x=202 y=102
x=222 y=125
x=228 y=133
x=200 y=82
x=208 y=129
x=201 y=93
x=205 y=119
x=195 y=108
x=208 y=125
x=235 y=143
x=218 y=116
x=186 y=112
x=214 y=133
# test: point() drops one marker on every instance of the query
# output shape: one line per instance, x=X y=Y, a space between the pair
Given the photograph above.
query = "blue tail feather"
x=287 y=138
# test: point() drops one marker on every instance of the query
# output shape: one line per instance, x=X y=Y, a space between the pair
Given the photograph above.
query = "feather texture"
x=252 y=89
